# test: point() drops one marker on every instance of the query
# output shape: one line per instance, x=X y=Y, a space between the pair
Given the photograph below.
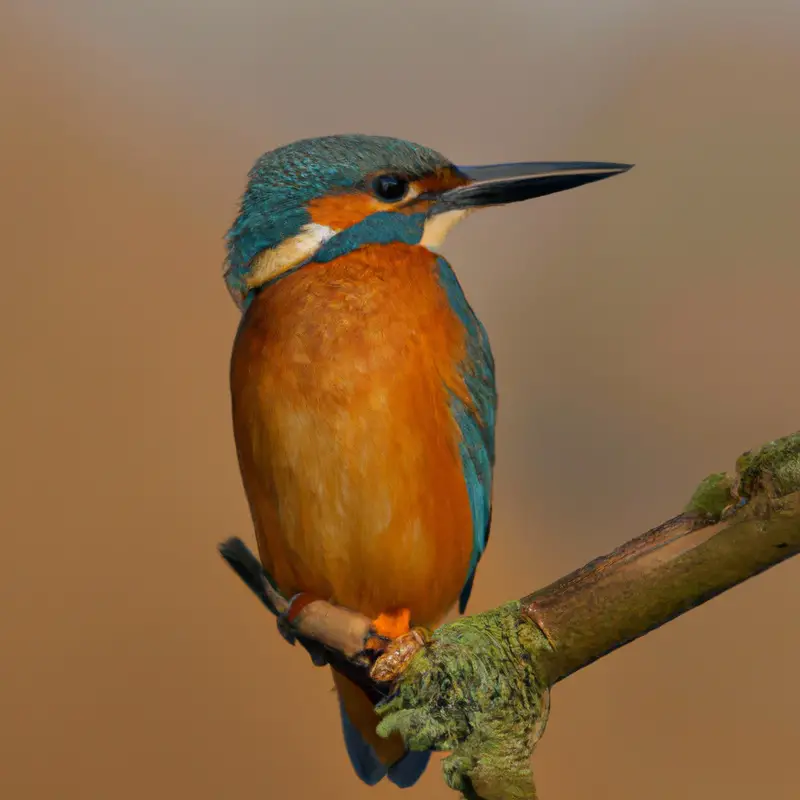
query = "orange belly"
x=340 y=380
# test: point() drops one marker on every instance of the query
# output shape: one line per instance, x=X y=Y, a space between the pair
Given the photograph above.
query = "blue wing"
x=476 y=423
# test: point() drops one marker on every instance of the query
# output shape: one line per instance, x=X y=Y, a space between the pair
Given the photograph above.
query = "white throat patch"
x=271 y=263
x=439 y=225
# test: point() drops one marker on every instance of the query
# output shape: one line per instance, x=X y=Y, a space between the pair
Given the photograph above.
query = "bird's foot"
x=287 y=618
x=287 y=630
x=386 y=628
x=396 y=642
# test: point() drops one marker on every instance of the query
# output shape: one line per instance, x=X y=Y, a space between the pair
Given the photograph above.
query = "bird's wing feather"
x=476 y=420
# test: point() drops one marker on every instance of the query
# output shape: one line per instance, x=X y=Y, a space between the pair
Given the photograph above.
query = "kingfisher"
x=363 y=386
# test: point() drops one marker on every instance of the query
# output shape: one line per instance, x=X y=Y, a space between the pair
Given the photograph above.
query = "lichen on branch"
x=474 y=691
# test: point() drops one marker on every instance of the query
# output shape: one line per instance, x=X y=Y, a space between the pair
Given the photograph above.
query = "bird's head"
x=317 y=199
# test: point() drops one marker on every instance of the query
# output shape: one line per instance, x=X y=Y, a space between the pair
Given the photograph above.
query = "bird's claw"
x=287 y=618
x=285 y=629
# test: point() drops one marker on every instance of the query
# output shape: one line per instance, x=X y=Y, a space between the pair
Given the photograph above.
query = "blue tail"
x=408 y=770
x=367 y=765
x=370 y=769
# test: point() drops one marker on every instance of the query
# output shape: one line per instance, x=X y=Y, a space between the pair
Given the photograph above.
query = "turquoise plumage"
x=478 y=426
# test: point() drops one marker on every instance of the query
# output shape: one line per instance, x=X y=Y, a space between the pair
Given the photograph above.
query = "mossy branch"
x=479 y=688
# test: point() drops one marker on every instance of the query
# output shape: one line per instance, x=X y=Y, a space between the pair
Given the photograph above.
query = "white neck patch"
x=271 y=263
x=439 y=225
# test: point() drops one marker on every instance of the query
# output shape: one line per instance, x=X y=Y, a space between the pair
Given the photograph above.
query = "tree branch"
x=480 y=687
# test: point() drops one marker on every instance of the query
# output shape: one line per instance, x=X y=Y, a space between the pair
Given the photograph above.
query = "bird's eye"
x=390 y=187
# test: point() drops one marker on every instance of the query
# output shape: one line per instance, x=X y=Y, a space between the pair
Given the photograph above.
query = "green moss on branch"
x=773 y=469
x=712 y=496
x=475 y=691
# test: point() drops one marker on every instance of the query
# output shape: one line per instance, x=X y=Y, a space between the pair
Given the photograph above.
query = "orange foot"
x=287 y=618
x=396 y=641
x=390 y=625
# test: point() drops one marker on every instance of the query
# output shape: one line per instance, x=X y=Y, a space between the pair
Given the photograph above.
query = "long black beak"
x=498 y=184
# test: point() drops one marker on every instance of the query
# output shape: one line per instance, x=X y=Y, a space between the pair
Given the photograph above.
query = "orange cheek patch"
x=437 y=182
x=340 y=211
x=441 y=181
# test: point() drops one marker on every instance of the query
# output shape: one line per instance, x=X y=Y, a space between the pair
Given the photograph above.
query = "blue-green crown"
x=283 y=181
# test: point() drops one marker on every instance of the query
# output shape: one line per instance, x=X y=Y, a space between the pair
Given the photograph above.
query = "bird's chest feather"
x=342 y=376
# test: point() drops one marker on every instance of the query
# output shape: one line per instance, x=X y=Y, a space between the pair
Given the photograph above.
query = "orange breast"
x=349 y=455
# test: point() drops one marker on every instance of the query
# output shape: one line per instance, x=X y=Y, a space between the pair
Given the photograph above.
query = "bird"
x=363 y=390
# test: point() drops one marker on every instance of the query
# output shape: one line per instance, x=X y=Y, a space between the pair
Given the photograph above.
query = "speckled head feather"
x=283 y=181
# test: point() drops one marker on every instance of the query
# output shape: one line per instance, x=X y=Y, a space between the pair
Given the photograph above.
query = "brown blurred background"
x=645 y=330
